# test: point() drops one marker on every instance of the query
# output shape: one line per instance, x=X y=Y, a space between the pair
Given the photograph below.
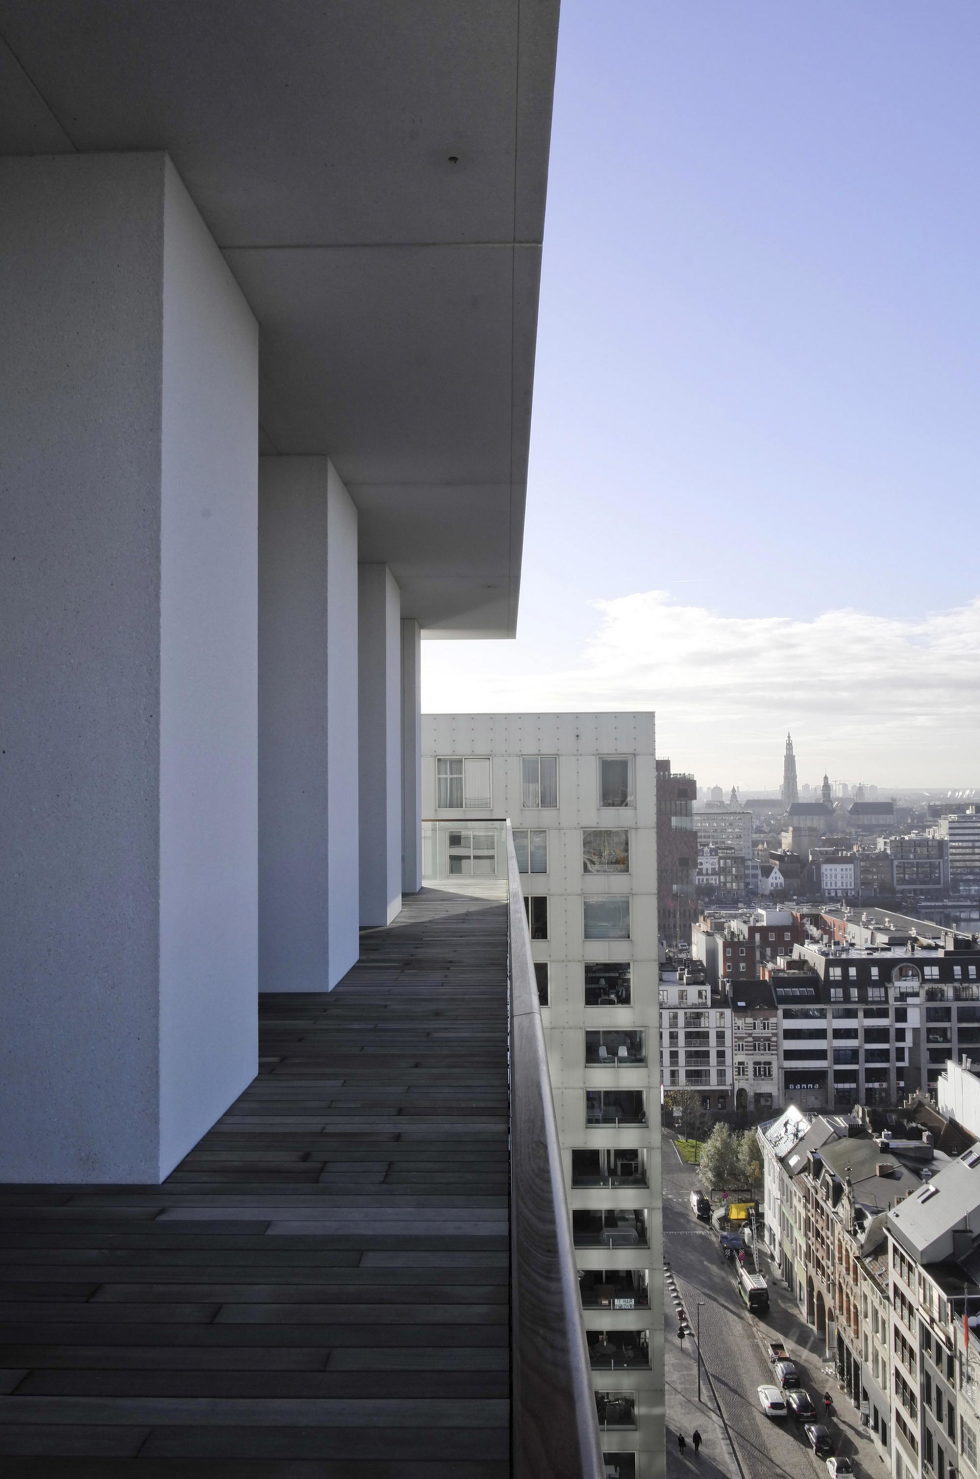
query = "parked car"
x=819 y=1439
x=787 y=1373
x=802 y=1405
x=772 y=1402
x=837 y=1466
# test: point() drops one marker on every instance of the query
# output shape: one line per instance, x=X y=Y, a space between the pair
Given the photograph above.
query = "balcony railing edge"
x=554 y=1425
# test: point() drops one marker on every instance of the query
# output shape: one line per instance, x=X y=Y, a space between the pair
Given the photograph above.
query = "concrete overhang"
x=374 y=172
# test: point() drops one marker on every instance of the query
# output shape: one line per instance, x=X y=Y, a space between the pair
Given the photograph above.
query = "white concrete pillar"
x=308 y=681
x=379 y=738
x=411 y=756
x=128 y=612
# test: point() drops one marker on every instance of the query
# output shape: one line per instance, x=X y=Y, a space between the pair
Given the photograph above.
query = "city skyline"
x=752 y=480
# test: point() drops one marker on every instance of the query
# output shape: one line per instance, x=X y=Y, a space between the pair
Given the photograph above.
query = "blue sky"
x=756 y=441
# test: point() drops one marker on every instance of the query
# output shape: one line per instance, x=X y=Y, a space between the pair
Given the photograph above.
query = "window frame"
x=466 y=763
x=526 y=834
x=605 y=805
x=537 y=904
x=594 y=902
x=528 y=761
x=605 y=850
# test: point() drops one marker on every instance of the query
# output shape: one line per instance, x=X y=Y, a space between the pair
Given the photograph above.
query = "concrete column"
x=308 y=810
x=380 y=738
x=128 y=612
x=411 y=757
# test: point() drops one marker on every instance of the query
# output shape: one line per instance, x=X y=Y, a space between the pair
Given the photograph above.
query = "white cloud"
x=890 y=701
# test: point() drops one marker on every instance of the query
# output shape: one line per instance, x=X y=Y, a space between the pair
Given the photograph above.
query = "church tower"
x=790 y=792
x=825 y=796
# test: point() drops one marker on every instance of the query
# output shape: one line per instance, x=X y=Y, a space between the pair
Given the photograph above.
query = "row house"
x=755 y=1046
x=836 y=1182
x=933 y=1241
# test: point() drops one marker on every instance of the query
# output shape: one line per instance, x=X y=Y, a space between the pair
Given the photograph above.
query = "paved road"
x=740 y=1441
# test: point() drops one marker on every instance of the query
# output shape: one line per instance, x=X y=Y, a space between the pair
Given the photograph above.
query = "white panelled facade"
x=580 y=792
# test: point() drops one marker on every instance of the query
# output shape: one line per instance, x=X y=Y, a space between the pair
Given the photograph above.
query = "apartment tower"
x=581 y=793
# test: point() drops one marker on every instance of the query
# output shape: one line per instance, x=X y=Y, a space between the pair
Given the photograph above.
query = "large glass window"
x=472 y=854
x=539 y=781
x=607 y=984
x=536 y=909
x=607 y=917
x=463 y=782
x=606 y=850
x=615 y=780
x=531 y=847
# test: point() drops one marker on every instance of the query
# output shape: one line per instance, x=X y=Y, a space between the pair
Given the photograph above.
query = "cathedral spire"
x=790 y=791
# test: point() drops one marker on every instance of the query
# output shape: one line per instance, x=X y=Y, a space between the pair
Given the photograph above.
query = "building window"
x=539 y=781
x=607 y=984
x=615 y=780
x=761 y=1070
x=536 y=909
x=968 y=1442
x=531 y=847
x=472 y=854
x=741 y=1070
x=541 y=978
x=607 y=917
x=606 y=850
x=463 y=783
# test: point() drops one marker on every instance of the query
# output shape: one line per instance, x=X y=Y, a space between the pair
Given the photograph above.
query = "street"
x=729 y=1416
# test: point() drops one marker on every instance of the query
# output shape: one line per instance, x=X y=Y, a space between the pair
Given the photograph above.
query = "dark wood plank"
x=322 y=1285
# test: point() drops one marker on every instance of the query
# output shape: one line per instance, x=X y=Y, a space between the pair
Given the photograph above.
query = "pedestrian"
x=696 y=1440
x=681 y=1442
x=828 y=1403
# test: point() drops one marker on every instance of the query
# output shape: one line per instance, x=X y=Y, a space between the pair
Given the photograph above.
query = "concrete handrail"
x=554 y=1425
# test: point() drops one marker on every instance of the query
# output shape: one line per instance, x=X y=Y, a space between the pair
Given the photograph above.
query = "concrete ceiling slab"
x=375 y=172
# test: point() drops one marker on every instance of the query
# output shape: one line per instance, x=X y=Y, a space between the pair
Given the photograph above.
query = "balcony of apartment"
x=614 y=1350
x=616 y=1410
x=350 y=1272
x=954 y=991
x=614 y=1289
x=599 y=1168
x=619 y=1227
x=612 y=1108
x=612 y=1049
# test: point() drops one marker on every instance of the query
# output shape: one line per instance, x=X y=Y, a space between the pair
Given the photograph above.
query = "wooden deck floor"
x=320 y=1290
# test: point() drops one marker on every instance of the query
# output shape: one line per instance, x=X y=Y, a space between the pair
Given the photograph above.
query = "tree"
x=720 y=1167
x=688 y=1114
x=750 y=1160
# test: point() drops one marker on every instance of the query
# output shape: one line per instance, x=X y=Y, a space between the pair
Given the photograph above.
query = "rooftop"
x=942 y=1219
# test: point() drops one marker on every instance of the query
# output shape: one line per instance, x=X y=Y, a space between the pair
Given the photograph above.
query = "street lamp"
x=697 y=1337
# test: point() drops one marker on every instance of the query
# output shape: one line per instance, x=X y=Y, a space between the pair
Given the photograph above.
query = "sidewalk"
x=684 y=1412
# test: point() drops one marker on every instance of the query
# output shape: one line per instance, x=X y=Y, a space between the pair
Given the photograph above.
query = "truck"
x=754 y=1291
